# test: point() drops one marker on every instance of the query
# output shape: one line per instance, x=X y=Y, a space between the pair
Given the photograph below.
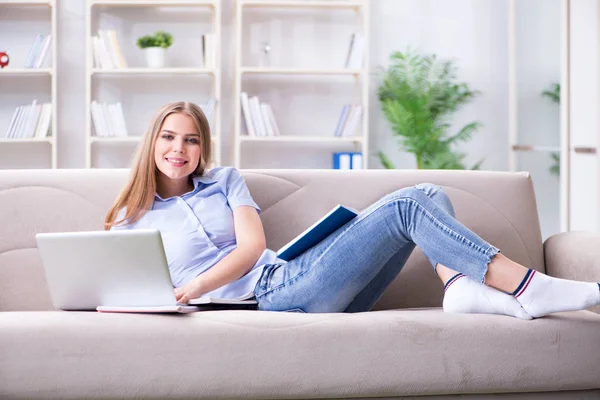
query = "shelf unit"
x=291 y=74
x=19 y=73
x=189 y=73
x=26 y=71
x=152 y=71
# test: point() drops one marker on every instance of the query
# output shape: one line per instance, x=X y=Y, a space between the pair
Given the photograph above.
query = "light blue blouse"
x=197 y=229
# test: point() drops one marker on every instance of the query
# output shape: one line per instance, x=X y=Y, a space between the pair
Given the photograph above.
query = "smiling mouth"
x=176 y=163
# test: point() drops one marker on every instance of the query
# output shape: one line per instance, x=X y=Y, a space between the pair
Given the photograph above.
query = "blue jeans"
x=350 y=269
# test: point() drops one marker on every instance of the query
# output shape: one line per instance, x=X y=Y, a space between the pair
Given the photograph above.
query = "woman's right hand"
x=192 y=290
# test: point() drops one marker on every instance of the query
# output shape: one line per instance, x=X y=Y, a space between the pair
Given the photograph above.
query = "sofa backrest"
x=499 y=206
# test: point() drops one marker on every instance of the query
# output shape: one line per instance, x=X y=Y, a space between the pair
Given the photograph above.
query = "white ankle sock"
x=466 y=296
x=541 y=294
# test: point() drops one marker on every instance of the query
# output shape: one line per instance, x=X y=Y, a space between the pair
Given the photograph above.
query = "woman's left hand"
x=190 y=291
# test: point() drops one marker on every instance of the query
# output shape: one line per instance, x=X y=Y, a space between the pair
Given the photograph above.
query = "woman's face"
x=177 y=150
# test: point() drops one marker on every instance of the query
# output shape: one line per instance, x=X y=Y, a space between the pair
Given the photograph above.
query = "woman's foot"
x=466 y=296
x=541 y=294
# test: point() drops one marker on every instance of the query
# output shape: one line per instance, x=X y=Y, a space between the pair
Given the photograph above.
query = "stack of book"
x=349 y=120
x=108 y=119
x=30 y=121
x=107 y=51
x=39 y=50
x=354 y=58
x=258 y=116
x=208 y=50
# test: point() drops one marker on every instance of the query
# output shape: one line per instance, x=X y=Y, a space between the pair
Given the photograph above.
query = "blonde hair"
x=138 y=194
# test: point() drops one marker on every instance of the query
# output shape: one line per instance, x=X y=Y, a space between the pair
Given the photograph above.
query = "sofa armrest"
x=574 y=255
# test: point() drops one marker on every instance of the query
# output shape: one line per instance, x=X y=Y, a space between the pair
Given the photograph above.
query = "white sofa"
x=406 y=347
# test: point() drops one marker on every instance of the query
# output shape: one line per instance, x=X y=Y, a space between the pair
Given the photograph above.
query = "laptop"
x=114 y=271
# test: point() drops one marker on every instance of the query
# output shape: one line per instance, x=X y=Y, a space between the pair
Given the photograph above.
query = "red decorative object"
x=4 y=59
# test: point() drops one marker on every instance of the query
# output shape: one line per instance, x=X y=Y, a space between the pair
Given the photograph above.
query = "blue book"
x=324 y=227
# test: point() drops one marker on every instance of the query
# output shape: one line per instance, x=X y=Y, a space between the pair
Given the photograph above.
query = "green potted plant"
x=418 y=94
x=155 y=47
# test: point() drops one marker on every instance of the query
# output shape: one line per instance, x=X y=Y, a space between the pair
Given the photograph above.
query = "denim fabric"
x=350 y=269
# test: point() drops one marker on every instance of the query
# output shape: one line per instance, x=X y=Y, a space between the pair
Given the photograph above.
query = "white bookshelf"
x=129 y=139
x=280 y=75
x=299 y=71
x=154 y=3
x=327 y=4
x=292 y=138
x=121 y=15
x=150 y=71
x=31 y=140
x=31 y=83
x=26 y=71
x=26 y=2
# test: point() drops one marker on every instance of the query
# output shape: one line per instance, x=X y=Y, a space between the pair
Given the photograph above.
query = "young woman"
x=215 y=243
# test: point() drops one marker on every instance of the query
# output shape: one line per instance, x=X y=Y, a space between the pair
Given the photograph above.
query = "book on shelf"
x=30 y=121
x=329 y=223
x=39 y=49
x=106 y=50
x=108 y=119
x=353 y=122
x=258 y=117
x=208 y=50
x=208 y=109
x=342 y=120
x=354 y=57
x=272 y=120
x=347 y=160
x=247 y=114
x=264 y=113
x=349 y=120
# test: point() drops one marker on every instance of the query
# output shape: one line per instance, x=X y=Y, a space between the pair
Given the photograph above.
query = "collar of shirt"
x=207 y=179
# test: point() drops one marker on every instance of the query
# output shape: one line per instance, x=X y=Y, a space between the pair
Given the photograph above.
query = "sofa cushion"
x=291 y=355
x=23 y=280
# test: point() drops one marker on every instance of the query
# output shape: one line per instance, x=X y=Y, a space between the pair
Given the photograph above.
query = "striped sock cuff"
x=452 y=280
x=524 y=283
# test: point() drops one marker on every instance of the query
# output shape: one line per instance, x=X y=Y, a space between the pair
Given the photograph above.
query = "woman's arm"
x=251 y=243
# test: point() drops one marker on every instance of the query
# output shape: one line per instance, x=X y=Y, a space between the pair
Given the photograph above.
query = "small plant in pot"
x=155 y=47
